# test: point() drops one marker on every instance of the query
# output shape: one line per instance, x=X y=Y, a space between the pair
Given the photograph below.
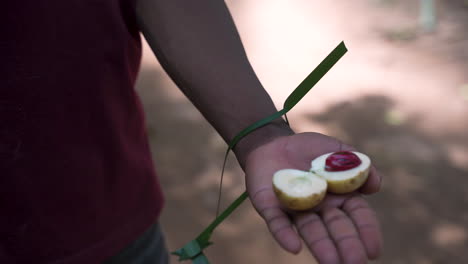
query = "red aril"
x=341 y=161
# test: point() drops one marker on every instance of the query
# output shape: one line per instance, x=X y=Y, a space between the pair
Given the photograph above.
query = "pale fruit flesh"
x=299 y=190
x=342 y=181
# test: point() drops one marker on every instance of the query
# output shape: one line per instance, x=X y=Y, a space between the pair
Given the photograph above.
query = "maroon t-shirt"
x=77 y=182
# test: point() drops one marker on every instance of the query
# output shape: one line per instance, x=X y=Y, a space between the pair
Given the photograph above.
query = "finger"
x=367 y=225
x=333 y=201
x=278 y=222
x=373 y=182
x=345 y=236
x=315 y=235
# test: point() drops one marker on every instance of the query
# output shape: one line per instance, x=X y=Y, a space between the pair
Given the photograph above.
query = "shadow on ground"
x=424 y=196
x=422 y=206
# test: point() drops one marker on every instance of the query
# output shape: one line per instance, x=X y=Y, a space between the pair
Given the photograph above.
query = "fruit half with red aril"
x=337 y=172
x=341 y=161
x=343 y=181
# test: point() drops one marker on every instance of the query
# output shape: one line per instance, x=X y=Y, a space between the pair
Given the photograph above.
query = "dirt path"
x=397 y=95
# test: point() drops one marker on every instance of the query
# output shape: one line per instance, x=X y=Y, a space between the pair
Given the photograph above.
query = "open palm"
x=341 y=229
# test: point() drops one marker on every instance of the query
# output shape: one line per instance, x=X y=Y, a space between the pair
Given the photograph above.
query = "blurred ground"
x=399 y=95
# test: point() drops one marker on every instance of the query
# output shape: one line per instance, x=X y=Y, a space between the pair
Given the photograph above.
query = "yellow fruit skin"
x=299 y=203
x=350 y=185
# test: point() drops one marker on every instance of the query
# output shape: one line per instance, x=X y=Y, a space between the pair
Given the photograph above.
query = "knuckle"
x=307 y=221
x=333 y=218
x=314 y=242
x=328 y=258
x=278 y=229
x=262 y=196
x=277 y=224
x=269 y=213
x=355 y=202
x=344 y=238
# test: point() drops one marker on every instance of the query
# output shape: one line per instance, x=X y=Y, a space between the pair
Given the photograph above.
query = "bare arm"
x=199 y=47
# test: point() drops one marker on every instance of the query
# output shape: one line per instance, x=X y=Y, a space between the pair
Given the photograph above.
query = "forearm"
x=199 y=47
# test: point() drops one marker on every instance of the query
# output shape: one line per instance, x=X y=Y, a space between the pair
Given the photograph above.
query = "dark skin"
x=342 y=229
x=199 y=47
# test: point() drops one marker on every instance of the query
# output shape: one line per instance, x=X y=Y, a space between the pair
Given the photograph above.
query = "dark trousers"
x=149 y=248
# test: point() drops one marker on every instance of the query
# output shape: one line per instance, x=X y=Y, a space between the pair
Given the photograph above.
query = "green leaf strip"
x=194 y=249
x=205 y=235
x=236 y=139
x=315 y=76
x=254 y=126
x=200 y=259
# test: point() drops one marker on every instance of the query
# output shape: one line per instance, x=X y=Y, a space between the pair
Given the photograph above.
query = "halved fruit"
x=344 y=181
x=298 y=190
x=337 y=172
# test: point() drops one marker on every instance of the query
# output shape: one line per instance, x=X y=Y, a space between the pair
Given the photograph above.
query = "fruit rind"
x=342 y=181
x=286 y=181
x=302 y=199
x=347 y=186
x=299 y=203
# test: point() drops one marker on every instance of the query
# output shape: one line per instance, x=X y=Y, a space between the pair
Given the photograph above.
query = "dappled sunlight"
x=398 y=95
x=285 y=40
x=422 y=187
x=458 y=155
x=448 y=235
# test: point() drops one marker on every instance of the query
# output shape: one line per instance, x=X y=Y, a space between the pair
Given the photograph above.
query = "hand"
x=341 y=229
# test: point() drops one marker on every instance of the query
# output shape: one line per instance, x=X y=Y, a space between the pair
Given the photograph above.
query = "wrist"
x=259 y=137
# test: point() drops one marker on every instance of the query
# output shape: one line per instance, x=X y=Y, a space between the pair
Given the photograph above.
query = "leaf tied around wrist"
x=194 y=249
